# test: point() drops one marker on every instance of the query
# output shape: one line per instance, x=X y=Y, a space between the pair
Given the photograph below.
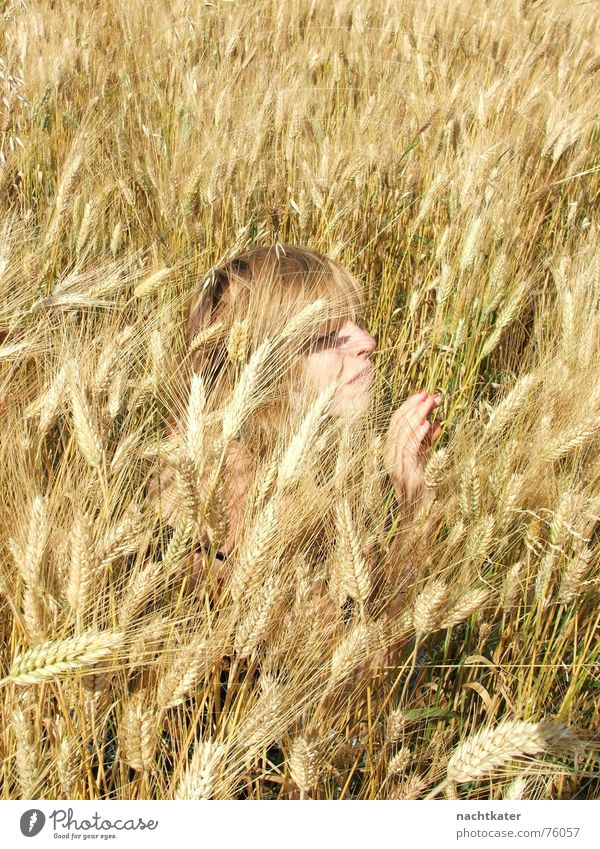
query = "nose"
x=365 y=343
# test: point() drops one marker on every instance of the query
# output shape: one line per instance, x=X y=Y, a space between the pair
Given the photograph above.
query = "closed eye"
x=328 y=341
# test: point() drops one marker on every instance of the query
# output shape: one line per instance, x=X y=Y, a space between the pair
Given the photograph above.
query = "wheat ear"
x=53 y=659
x=255 y=625
x=574 y=573
x=303 y=761
x=467 y=605
x=184 y=671
x=88 y=437
x=37 y=538
x=52 y=400
x=298 y=450
x=429 y=608
x=27 y=755
x=195 y=423
x=200 y=777
x=139 y=727
x=490 y=748
x=263 y=723
x=353 y=571
x=350 y=652
x=241 y=401
x=146 y=581
x=83 y=563
x=505 y=412
x=150 y=283
x=253 y=554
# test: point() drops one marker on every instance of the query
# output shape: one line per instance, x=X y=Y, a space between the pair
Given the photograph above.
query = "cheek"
x=321 y=369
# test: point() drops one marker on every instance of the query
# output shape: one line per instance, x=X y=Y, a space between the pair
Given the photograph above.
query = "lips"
x=364 y=374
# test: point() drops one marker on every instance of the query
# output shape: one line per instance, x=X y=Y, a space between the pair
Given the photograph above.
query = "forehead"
x=337 y=315
x=337 y=325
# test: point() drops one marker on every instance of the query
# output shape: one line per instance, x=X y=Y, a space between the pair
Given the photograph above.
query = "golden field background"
x=447 y=154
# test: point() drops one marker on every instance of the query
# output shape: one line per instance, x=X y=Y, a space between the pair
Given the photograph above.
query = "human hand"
x=408 y=443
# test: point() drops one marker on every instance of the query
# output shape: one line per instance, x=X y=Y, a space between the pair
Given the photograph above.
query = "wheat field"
x=448 y=154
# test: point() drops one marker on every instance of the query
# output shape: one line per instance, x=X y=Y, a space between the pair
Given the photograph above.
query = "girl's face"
x=345 y=356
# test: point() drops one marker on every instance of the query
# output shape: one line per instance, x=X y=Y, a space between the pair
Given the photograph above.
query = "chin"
x=354 y=405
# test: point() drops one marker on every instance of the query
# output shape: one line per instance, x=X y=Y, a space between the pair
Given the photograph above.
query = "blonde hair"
x=252 y=296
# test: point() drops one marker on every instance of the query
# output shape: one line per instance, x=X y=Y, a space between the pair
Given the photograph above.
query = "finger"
x=409 y=404
x=431 y=402
x=418 y=416
x=420 y=435
x=414 y=409
x=434 y=432
x=430 y=437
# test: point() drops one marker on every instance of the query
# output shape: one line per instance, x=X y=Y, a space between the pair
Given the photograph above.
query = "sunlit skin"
x=346 y=354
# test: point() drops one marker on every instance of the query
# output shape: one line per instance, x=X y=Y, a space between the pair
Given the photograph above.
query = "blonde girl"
x=310 y=310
